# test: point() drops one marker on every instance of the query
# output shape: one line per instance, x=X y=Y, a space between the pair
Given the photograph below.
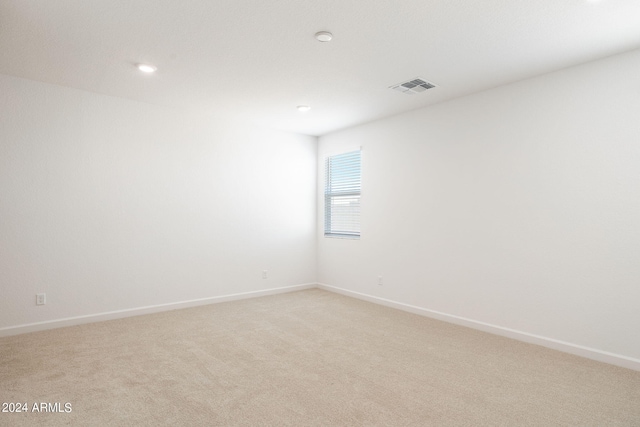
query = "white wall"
x=517 y=207
x=107 y=204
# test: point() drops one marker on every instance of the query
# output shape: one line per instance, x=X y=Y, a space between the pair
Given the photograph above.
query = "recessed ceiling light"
x=324 y=36
x=303 y=108
x=146 y=68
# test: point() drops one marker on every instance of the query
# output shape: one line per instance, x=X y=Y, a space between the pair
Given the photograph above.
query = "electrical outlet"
x=379 y=280
x=265 y=274
x=41 y=299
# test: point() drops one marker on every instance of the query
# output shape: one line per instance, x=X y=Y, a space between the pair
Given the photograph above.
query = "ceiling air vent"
x=414 y=86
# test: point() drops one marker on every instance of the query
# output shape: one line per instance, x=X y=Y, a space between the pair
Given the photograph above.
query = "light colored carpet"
x=306 y=358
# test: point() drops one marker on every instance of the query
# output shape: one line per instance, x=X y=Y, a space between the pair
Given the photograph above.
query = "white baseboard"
x=578 y=350
x=589 y=353
x=119 y=314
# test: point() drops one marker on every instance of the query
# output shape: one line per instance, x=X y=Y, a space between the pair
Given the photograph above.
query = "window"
x=342 y=195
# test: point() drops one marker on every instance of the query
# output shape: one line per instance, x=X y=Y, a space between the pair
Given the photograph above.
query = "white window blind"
x=342 y=195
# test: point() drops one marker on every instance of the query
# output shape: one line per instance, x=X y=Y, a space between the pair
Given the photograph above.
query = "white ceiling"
x=256 y=60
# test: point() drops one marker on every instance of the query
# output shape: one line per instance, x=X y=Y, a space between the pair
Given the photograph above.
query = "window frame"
x=348 y=187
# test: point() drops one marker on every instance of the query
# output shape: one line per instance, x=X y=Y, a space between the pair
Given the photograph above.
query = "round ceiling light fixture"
x=146 y=68
x=303 y=108
x=324 y=36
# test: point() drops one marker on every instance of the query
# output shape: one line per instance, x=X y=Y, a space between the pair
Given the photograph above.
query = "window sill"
x=342 y=236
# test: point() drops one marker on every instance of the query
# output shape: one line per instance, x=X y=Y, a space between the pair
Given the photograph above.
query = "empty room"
x=332 y=213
